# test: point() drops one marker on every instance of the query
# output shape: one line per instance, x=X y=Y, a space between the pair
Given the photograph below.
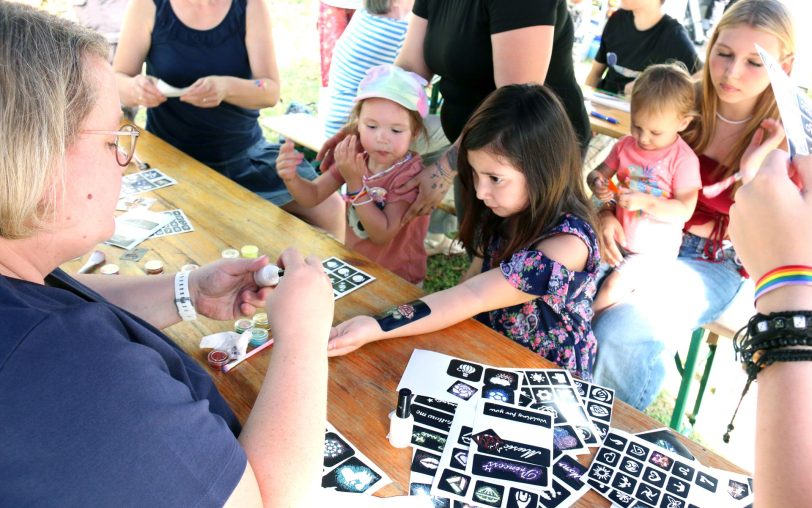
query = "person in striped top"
x=373 y=37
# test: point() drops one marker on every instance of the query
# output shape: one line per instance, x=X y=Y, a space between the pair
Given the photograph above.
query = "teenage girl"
x=529 y=225
x=388 y=115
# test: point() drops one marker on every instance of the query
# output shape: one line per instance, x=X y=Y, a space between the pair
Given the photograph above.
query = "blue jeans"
x=637 y=337
x=255 y=169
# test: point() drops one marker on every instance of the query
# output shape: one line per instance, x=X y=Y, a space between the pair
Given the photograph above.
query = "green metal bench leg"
x=703 y=383
x=687 y=372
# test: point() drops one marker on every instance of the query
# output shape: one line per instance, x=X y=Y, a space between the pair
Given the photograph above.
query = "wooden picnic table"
x=620 y=129
x=361 y=384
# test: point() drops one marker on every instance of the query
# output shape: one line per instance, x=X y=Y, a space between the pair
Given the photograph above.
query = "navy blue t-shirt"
x=98 y=408
x=180 y=56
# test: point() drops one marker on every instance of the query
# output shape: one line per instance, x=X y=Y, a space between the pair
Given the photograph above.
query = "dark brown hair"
x=528 y=127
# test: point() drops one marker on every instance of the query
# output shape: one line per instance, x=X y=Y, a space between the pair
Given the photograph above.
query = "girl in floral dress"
x=528 y=224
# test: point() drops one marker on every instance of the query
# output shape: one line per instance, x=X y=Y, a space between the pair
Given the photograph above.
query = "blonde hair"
x=664 y=88
x=768 y=16
x=416 y=124
x=46 y=92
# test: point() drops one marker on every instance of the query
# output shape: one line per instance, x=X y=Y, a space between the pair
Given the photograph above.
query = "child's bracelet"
x=349 y=196
x=790 y=275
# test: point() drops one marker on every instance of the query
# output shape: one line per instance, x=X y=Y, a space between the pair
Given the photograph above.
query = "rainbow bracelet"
x=790 y=275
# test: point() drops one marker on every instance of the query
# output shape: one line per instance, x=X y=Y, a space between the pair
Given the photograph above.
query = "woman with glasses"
x=98 y=407
x=217 y=59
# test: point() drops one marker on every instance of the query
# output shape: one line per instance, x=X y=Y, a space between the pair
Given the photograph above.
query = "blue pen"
x=604 y=117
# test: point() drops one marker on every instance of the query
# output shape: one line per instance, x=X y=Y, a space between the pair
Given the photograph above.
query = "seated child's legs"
x=624 y=279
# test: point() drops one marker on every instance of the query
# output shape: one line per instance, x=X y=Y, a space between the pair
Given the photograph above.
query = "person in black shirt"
x=639 y=34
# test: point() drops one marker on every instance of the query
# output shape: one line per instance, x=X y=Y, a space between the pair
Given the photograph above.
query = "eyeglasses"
x=125 y=142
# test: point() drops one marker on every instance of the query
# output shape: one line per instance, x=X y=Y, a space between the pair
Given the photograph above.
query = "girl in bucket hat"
x=369 y=164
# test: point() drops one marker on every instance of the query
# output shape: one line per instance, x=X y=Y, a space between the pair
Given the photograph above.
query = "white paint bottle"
x=402 y=421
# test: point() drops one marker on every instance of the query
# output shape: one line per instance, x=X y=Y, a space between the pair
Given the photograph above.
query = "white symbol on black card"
x=615 y=441
x=464 y=370
x=459 y=458
x=603 y=428
x=465 y=436
x=635 y=450
x=631 y=466
x=558 y=378
x=601 y=394
x=621 y=498
x=600 y=473
x=707 y=482
x=654 y=477
x=580 y=386
x=521 y=499
x=544 y=395
x=678 y=487
x=454 y=482
x=648 y=494
x=737 y=490
x=608 y=457
x=624 y=483
x=598 y=411
x=684 y=471
x=537 y=378
x=462 y=390
x=672 y=502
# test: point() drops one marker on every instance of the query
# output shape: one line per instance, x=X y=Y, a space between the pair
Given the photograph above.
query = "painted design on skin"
x=403 y=314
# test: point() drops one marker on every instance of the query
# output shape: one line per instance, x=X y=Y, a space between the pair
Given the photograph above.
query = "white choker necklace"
x=733 y=122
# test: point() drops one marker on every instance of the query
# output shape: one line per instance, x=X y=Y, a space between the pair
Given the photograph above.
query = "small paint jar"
x=109 y=269
x=189 y=267
x=230 y=253
x=261 y=320
x=218 y=359
x=242 y=325
x=259 y=336
x=249 y=251
x=153 y=267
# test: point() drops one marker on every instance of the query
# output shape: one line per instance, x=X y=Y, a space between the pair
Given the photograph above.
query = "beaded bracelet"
x=777 y=337
x=790 y=275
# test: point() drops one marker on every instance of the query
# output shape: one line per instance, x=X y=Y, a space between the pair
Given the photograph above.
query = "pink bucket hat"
x=391 y=82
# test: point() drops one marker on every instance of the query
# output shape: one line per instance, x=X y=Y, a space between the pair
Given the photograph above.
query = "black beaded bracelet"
x=777 y=337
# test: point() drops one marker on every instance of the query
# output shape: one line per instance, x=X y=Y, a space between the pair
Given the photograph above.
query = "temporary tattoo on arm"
x=403 y=314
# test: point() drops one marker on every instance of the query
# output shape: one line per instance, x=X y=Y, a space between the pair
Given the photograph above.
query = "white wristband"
x=183 y=298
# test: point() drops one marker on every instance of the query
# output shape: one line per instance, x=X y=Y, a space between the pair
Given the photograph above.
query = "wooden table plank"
x=599 y=126
x=361 y=384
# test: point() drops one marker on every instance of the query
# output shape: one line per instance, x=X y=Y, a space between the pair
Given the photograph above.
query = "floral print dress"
x=557 y=324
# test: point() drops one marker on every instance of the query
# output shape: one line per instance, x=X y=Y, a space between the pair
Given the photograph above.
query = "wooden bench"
x=732 y=320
